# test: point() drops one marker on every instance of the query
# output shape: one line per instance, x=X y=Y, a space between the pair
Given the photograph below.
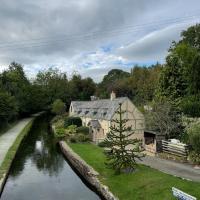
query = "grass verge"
x=5 y=166
x=146 y=183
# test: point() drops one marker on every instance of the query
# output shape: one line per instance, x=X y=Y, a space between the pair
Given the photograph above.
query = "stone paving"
x=8 y=138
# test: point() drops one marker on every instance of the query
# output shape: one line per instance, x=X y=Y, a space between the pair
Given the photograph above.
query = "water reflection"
x=40 y=172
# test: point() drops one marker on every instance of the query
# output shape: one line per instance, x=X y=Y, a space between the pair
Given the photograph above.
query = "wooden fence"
x=177 y=149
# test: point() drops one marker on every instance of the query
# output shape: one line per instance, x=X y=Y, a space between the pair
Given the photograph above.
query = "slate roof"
x=95 y=123
x=98 y=109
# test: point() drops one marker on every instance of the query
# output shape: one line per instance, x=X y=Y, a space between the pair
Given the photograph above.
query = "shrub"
x=82 y=138
x=194 y=157
x=58 y=107
x=194 y=140
x=83 y=129
x=73 y=139
x=60 y=132
x=56 y=118
x=102 y=144
x=59 y=124
x=191 y=106
x=71 y=129
x=72 y=121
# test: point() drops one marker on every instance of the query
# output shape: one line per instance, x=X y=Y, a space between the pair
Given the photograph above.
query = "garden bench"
x=182 y=195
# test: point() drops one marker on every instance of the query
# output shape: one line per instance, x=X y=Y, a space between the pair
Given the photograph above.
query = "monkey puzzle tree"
x=123 y=149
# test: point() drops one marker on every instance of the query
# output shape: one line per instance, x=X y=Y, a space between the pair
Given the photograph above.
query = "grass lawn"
x=13 y=149
x=146 y=183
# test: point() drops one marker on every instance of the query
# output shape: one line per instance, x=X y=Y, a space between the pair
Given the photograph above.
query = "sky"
x=91 y=37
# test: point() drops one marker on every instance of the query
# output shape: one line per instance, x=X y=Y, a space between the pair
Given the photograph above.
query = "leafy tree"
x=58 y=107
x=124 y=149
x=191 y=36
x=115 y=74
x=81 y=89
x=14 y=81
x=37 y=100
x=194 y=75
x=164 y=118
x=110 y=81
x=180 y=78
x=139 y=85
x=54 y=85
x=143 y=83
x=8 y=108
x=175 y=81
x=190 y=105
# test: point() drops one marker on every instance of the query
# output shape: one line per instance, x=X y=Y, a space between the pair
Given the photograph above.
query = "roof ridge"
x=117 y=98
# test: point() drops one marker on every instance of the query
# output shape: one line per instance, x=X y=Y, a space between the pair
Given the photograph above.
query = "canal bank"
x=9 y=144
x=39 y=170
x=86 y=171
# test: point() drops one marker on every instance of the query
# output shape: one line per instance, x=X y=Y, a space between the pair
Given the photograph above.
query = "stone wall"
x=86 y=171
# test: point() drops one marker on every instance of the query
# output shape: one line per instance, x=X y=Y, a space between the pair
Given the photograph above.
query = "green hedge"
x=83 y=129
x=72 y=121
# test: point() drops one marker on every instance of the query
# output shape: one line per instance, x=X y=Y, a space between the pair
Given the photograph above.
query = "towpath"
x=8 y=138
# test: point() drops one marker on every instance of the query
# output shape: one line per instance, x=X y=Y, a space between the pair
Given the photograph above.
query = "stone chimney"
x=112 y=96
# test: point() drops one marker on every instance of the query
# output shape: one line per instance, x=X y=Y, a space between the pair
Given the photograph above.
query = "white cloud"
x=94 y=64
x=43 y=33
x=153 y=46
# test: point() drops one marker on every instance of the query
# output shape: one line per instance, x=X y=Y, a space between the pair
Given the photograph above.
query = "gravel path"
x=182 y=170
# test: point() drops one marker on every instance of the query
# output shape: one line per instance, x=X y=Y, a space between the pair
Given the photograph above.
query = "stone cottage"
x=97 y=114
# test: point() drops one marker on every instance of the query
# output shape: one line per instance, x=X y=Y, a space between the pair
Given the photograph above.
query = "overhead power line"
x=109 y=32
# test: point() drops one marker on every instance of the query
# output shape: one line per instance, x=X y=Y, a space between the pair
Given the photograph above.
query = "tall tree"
x=180 y=76
x=81 y=89
x=15 y=82
x=111 y=82
x=8 y=108
x=143 y=83
x=124 y=149
x=54 y=85
x=165 y=119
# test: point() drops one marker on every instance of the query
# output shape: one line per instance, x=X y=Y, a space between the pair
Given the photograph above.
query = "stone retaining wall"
x=86 y=171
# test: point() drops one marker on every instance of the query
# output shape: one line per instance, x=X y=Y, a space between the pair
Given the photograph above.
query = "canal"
x=40 y=172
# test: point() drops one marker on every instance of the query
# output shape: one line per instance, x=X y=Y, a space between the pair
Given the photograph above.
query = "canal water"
x=40 y=172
